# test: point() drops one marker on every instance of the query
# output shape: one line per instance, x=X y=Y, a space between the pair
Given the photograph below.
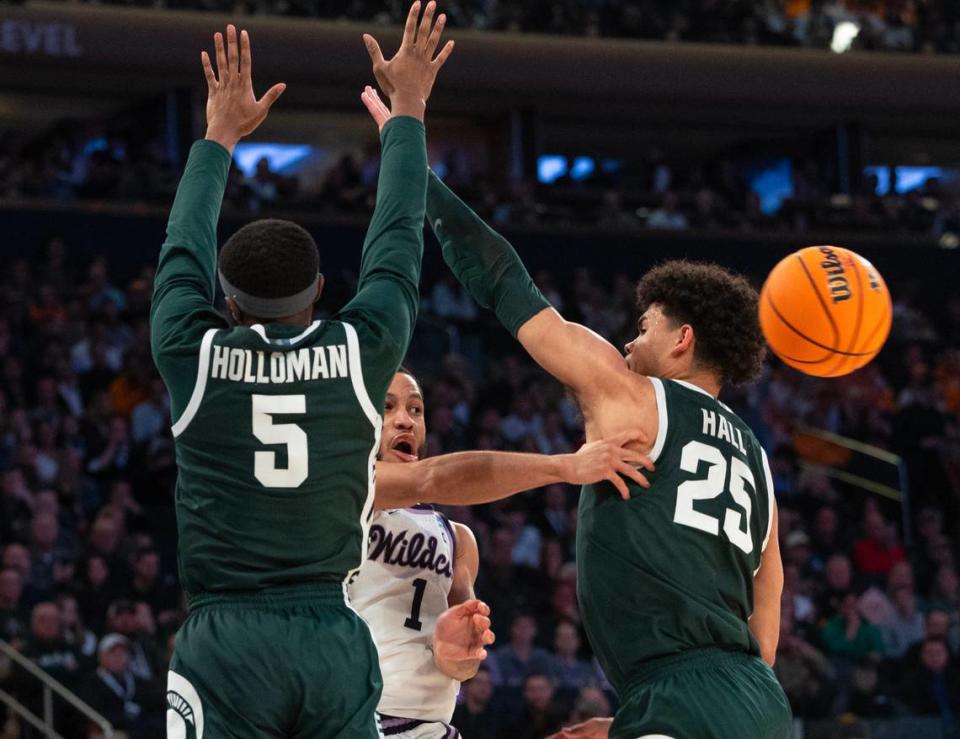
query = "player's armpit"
x=578 y=357
x=465 y=567
x=767 y=590
x=595 y=728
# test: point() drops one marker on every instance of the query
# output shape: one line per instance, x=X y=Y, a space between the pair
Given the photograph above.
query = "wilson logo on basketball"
x=837 y=281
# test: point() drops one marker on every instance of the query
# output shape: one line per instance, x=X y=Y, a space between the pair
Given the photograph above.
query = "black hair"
x=270 y=259
x=720 y=306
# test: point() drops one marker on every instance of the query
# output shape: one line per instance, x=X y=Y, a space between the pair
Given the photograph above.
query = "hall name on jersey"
x=272 y=368
x=715 y=425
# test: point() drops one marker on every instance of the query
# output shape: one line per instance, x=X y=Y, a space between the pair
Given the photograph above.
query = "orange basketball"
x=825 y=311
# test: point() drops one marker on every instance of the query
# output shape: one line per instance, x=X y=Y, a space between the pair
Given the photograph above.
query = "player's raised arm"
x=184 y=288
x=388 y=290
x=472 y=478
x=488 y=266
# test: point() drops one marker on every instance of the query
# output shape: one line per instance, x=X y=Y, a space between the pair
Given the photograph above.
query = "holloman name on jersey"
x=270 y=368
x=715 y=425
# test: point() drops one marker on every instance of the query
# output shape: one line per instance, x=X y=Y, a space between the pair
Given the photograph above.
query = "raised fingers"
x=208 y=71
x=426 y=24
x=410 y=29
x=233 y=49
x=246 y=61
x=443 y=55
x=434 y=40
x=223 y=70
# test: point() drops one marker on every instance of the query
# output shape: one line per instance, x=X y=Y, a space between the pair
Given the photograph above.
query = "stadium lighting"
x=843 y=36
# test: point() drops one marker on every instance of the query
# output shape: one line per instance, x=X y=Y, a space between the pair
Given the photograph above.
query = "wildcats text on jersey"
x=271 y=368
x=393 y=548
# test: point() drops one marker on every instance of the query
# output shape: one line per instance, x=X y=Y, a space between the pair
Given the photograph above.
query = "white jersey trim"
x=662 y=420
x=261 y=331
x=198 y=389
x=771 y=498
x=360 y=390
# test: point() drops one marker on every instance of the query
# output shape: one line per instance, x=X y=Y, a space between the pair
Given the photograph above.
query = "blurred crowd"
x=928 y=26
x=124 y=162
x=871 y=626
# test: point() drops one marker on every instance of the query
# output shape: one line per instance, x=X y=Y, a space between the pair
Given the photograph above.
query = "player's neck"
x=706 y=381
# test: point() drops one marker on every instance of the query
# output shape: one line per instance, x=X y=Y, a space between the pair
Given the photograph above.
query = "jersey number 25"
x=736 y=524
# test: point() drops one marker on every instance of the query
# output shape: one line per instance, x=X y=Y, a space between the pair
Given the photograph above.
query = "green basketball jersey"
x=276 y=451
x=672 y=569
x=277 y=426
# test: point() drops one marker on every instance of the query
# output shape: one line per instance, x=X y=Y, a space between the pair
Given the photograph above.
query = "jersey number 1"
x=294 y=438
x=414 y=622
x=695 y=453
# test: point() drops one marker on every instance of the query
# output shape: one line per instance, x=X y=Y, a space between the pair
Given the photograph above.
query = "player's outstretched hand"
x=233 y=111
x=407 y=79
x=461 y=637
x=610 y=459
x=595 y=728
x=377 y=109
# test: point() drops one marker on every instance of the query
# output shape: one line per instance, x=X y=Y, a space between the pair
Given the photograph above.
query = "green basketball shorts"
x=291 y=662
x=706 y=694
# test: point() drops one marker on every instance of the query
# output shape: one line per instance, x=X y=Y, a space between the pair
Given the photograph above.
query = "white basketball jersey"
x=400 y=592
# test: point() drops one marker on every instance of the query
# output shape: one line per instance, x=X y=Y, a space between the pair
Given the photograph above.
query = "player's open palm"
x=407 y=78
x=612 y=460
x=595 y=728
x=461 y=636
x=233 y=110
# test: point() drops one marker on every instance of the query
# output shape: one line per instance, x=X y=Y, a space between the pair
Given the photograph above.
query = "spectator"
x=569 y=672
x=45 y=534
x=878 y=550
x=805 y=673
x=904 y=627
x=931 y=686
x=474 y=717
x=120 y=696
x=540 y=717
x=12 y=618
x=144 y=657
x=81 y=639
x=520 y=657
x=47 y=647
x=868 y=698
x=847 y=636
x=147 y=584
x=837 y=584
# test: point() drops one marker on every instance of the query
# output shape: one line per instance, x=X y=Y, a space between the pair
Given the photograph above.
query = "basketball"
x=825 y=311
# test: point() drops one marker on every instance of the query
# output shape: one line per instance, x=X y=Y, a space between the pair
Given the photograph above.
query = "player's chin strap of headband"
x=270 y=307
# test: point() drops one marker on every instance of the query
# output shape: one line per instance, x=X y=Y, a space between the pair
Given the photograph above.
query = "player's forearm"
x=189 y=254
x=394 y=241
x=481 y=259
x=472 y=478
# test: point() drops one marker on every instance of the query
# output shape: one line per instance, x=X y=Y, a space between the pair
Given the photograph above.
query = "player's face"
x=647 y=353
x=404 y=427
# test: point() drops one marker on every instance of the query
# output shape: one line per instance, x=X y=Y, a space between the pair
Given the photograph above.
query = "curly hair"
x=270 y=259
x=720 y=306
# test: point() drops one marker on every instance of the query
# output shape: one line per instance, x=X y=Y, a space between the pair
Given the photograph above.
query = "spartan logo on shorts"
x=184 y=710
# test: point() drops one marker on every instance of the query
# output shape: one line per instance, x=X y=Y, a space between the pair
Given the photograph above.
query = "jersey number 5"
x=294 y=438
x=695 y=453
